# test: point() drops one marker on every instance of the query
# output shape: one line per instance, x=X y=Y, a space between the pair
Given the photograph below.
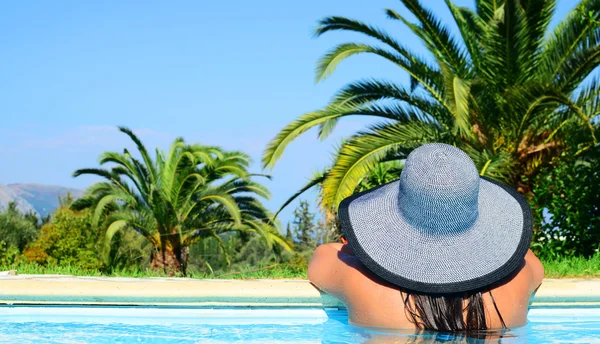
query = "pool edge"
x=174 y=292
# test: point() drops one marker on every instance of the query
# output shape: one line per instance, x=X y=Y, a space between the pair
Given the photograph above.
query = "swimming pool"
x=99 y=324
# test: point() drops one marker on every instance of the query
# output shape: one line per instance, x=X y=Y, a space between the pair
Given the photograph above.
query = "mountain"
x=7 y=195
x=42 y=199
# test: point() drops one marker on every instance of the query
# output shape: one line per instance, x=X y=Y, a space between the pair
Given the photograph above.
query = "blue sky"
x=228 y=73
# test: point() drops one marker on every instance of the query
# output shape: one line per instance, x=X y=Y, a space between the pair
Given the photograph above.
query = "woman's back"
x=441 y=248
x=372 y=302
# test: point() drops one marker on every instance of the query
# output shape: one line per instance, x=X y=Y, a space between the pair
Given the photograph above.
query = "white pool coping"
x=71 y=290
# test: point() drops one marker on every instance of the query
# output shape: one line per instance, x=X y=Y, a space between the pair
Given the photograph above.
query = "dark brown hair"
x=446 y=313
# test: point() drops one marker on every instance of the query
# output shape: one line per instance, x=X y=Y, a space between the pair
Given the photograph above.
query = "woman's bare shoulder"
x=526 y=279
x=535 y=269
x=330 y=268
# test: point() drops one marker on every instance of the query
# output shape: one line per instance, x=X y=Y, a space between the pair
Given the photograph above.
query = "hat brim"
x=485 y=253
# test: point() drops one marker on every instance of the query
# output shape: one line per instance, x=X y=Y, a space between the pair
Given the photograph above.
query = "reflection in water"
x=434 y=338
x=356 y=334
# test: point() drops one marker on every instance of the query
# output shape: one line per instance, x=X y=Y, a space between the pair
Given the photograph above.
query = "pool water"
x=180 y=325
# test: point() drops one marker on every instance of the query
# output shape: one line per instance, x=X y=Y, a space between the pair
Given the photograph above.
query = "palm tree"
x=190 y=193
x=383 y=173
x=504 y=90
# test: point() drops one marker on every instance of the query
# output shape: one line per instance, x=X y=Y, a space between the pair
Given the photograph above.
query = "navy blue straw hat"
x=440 y=228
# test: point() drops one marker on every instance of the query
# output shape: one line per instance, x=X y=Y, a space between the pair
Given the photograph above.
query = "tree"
x=178 y=198
x=288 y=233
x=16 y=231
x=304 y=225
x=503 y=90
x=326 y=232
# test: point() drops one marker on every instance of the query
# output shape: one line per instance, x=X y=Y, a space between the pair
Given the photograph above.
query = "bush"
x=566 y=200
x=16 y=231
x=9 y=254
x=69 y=239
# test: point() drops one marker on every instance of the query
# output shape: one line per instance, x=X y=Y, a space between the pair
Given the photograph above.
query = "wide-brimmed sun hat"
x=440 y=228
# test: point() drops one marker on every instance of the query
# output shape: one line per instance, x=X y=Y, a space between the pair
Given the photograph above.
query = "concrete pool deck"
x=65 y=290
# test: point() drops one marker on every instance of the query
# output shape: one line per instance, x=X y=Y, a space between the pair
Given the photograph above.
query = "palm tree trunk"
x=166 y=260
x=172 y=258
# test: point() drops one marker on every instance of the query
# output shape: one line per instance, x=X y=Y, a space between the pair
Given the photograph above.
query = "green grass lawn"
x=573 y=267
x=559 y=268
x=276 y=271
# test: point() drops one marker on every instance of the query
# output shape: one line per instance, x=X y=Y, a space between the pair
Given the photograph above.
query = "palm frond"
x=112 y=229
x=488 y=9
x=82 y=203
x=498 y=166
x=505 y=46
x=570 y=35
x=435 y=36
x=344 y=24
x=458 y=91
x=316 y=180
x=425 y=75
x=236 y=186
x=362 y=152
x=588 y=98
x=577 y=68
x=327 y=127
x=127 y=167
x=329 y=62
x=94 y=171
x=101 y=205
x=218 y=197
x=471 y=28
x=461 y=99
x=307 y=121
x=142 y=149
x=270 y=234
x=538 y=14
x=369 y=91
x=535 y=101
x=221 y=245
x=383 y=173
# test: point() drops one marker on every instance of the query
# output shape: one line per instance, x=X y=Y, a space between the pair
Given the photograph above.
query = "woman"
x=440 y=249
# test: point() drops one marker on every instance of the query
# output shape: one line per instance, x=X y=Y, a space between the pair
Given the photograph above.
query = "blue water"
x=172 y=325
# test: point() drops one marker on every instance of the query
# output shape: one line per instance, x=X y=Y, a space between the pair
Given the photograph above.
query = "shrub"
x=16 y=231
x=9 y=254
x=566 y=200
x=68 y=239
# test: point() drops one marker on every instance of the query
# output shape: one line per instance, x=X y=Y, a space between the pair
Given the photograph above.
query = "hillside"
x=40 y=198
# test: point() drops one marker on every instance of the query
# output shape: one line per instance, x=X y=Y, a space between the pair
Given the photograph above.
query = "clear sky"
x=229 y=73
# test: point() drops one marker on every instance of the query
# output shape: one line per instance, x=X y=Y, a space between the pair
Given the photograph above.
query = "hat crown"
x=439 y=189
